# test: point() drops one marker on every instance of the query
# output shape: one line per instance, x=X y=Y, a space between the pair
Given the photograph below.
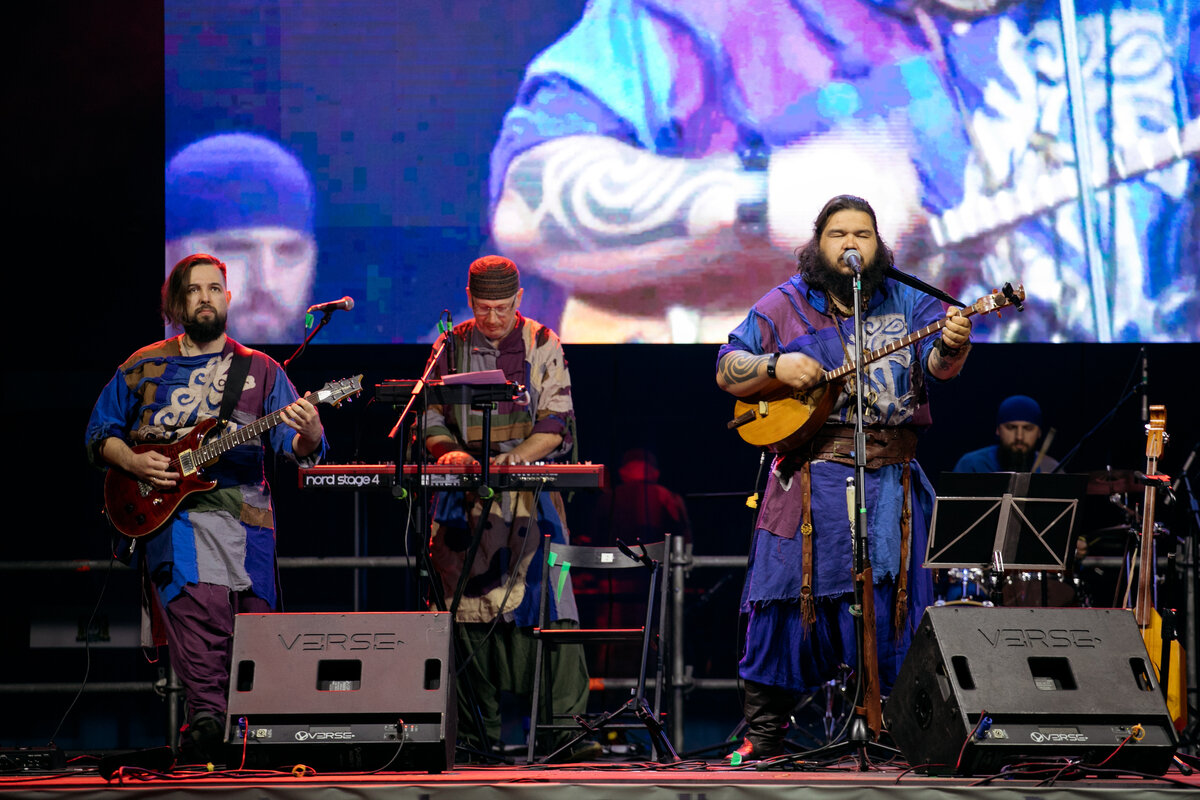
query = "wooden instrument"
x=136 y=508
x=785 y=418
x=1174 y=676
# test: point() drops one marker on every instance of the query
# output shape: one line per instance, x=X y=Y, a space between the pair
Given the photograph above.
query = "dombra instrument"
x=786 y=418
x=1148 y=619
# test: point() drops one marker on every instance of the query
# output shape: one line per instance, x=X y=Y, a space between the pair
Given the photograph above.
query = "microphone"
x=345 y=304
x=853 y=259
x=1145 y=387
x=450 y=358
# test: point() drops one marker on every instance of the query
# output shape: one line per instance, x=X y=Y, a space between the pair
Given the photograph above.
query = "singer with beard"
x=800 y=583
x=1018 y=431
x=216 y=556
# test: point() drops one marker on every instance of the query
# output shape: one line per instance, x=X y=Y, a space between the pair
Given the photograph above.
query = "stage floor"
x=690 y=780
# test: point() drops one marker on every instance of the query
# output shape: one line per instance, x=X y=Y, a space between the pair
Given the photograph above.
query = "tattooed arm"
x=949 y=353
x=742 y=374
x=596 y=215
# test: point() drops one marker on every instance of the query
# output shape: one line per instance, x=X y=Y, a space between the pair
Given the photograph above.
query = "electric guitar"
x=1173 y=674
x=786 y=418
x=136 y=508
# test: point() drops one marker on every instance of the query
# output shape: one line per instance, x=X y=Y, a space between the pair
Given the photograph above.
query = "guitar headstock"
x=1001 y=298
x=1156 y=429
x=334 y=392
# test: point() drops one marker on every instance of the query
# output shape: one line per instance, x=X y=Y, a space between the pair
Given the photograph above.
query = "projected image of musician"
x=649 y=163
x=252 y=201
x=800 y=583
x=214 y=555
x=499 y=606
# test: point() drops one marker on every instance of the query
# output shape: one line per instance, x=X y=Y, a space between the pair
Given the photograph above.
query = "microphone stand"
x=1141 y=387
x=328 y=314
x=417 y=398
x=922 y=286
x=866 y=719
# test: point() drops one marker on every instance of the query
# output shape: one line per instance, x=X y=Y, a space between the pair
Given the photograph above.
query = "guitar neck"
x=213 y=450
x=1144 y=606
x=892 y=347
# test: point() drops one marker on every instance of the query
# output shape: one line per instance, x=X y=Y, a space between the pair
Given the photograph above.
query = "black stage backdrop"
x=89 y=221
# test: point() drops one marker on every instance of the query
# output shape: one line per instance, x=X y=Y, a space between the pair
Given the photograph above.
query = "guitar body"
x=1177 y=669
x=783 y=421
x=136 y=508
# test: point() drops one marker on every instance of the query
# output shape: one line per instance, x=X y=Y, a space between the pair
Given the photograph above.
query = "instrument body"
x=784 y=418
x=454 y=477
x=137 y=508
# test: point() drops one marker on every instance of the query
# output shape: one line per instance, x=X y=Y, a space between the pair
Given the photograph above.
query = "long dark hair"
x=808 y=258
x=174 y=288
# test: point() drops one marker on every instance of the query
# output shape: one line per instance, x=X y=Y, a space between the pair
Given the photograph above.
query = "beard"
x=823 y=274
x=207 y=330
x=1014 y=460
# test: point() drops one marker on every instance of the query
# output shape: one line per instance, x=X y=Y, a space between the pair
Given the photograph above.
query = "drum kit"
x=1087 y=583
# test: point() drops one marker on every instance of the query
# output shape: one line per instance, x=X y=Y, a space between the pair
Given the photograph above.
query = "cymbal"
x=1113 y=481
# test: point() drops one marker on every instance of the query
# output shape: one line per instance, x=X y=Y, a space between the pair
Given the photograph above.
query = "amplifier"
x=360 y=691
x=982 y=688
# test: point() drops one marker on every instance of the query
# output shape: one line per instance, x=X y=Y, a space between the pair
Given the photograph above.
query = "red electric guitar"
x=136 y=508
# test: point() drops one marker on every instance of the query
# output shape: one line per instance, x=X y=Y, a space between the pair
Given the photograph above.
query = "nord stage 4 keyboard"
x=451 y=477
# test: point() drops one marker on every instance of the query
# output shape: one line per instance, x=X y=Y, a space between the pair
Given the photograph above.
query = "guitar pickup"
x=187 y=465
x=764 y=408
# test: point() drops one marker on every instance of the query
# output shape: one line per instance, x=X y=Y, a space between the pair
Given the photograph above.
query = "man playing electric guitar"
x=800 y=583
x=215 y=556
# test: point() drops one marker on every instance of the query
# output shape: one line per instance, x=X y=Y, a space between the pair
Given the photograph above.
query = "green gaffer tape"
x=562 y=580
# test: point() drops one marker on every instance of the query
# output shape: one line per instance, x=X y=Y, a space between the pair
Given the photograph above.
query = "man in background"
x=1018 y=431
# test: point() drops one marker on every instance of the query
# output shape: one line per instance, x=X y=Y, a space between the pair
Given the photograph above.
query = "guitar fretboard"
x=189 y=461
x=904 y=341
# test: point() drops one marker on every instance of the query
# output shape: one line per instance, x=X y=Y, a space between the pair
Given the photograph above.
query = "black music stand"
x=1005 y=520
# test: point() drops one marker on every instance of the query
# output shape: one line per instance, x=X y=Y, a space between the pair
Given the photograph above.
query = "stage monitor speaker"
x=343 y=692
x=983 y=688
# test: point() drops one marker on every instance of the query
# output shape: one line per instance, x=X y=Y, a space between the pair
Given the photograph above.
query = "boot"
x=767 y=710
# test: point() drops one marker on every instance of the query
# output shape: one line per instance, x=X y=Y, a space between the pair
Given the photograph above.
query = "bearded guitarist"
x=800 y=580
x=215 y=556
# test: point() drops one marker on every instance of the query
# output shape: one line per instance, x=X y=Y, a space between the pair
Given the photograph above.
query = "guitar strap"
x=235 y=382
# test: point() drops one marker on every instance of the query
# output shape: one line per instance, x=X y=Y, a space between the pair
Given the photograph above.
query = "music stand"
x=1005 y=520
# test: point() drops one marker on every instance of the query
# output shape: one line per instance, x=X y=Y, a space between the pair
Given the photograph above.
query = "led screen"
x=653 y=165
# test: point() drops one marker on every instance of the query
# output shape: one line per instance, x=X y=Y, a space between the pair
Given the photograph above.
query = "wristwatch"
x=771 y=365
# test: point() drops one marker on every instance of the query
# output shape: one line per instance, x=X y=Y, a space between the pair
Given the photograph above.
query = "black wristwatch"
x=771 y=365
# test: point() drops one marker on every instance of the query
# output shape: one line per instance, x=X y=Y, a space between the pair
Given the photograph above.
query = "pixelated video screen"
x=653 y=166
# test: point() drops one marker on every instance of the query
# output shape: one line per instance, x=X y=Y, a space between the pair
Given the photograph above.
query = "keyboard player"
x=504 y=573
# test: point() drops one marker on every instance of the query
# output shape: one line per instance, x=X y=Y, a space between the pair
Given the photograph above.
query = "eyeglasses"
x=482 y=311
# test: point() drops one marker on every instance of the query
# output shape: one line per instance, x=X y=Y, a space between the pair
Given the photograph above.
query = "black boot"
x=767 y=710
x=202 y=741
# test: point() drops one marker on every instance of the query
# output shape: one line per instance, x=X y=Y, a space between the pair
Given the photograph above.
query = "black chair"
x=651 y=558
